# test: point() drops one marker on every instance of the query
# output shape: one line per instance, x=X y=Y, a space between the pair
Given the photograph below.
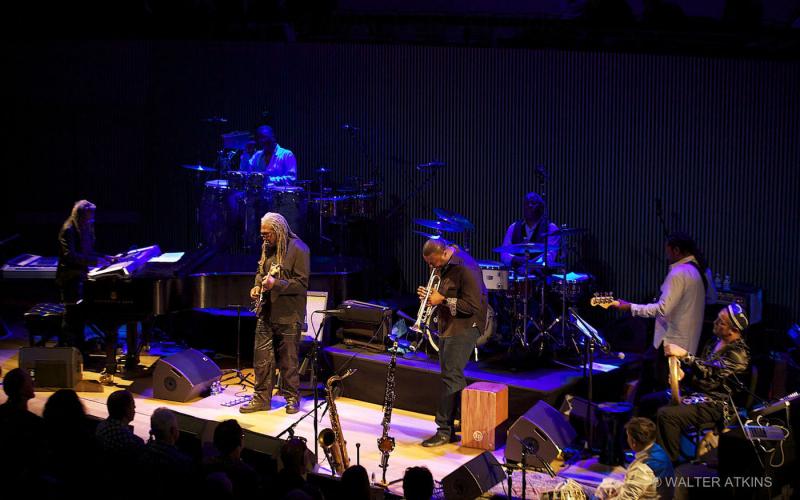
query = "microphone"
x=432 y=164
x=350 y=128
x=330 y=311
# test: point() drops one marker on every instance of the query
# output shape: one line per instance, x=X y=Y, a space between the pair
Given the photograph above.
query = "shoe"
x=437 y=439
x=292 y=406
x=255 y=405
x=106 y=378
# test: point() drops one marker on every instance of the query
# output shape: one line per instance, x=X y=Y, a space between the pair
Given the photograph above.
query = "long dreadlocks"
x=277 y=223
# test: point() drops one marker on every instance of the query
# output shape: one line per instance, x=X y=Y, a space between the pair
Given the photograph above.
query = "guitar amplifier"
x=363 y=324
x=749 y=297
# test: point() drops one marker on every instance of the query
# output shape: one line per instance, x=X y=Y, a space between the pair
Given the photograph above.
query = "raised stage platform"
x=418 y=380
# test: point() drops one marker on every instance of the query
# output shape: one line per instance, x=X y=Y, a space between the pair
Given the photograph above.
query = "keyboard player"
x=75 y=255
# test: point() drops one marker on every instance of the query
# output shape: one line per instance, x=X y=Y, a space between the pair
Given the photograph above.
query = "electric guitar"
x=604 y=300
x=274 y=270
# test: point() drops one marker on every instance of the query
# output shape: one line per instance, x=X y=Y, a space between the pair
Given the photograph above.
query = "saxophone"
x=386 y=442
x=331 y=439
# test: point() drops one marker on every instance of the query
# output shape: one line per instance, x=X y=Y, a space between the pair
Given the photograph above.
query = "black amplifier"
x=363 y=324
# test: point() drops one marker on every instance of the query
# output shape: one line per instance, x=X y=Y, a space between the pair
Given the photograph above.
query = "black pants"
x=674 y=420
x=283 y=340
x=454 y=352
x=72 y=323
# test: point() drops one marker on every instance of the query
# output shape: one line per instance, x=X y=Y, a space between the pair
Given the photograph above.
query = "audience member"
x=162 y=461
x=70 y=440
x=355 y=483
x=418 y=483
x=292 y=478
x=228 y=462
x=21 y=431
x=115 y=435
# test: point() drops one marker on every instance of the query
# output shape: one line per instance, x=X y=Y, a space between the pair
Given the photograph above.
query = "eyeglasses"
x=267 y=235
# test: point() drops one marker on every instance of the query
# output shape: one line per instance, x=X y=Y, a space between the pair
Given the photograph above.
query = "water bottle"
x=717 y=282
x=726 y=285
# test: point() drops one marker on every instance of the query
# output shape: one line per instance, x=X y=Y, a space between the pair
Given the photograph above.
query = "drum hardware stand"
x=244 y=380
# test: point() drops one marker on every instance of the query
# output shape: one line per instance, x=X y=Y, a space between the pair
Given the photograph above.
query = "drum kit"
x=232 y=205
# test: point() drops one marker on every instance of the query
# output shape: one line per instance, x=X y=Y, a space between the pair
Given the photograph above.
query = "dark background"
x=714 y=136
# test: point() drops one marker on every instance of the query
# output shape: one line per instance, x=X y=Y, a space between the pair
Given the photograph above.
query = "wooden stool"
x=484 y=412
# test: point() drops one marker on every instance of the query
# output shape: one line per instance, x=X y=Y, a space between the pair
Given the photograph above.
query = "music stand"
x=244 y=380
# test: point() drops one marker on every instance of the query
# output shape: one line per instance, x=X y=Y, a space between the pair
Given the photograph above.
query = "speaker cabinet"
x=545 y=432
x=474 y=478
x=184 y=376
x=52 y=366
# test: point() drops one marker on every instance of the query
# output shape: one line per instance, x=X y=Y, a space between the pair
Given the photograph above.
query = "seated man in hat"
x=723 y=358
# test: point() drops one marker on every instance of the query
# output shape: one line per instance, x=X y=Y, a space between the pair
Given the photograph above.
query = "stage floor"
x=360 y=423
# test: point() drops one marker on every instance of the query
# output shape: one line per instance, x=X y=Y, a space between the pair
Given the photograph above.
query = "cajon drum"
x=484 y=411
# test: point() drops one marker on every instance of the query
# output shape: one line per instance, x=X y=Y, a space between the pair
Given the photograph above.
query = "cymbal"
x=429 y=235
x=439 y=225
x=568 y=231
x=199 y=168
x=322 y=170
x=521 y=248
x=455 y=218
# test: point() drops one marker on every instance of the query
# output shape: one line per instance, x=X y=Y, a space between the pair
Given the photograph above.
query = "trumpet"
x=425 y=312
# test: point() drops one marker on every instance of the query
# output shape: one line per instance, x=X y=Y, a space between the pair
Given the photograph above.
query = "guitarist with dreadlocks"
x=280 y=294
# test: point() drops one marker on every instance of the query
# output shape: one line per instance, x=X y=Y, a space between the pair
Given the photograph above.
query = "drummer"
x=265 y=155
x=533 y=228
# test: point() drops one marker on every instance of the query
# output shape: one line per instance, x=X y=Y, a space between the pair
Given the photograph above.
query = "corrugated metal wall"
x=715 y=139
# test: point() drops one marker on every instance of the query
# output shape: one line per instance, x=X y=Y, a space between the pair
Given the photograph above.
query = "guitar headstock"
x=274 y=270
x=604 y=300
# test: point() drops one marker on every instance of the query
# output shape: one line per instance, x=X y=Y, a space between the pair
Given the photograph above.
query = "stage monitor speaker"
x=184 y=376
x=474 y=478
x=60 y=367
x=544 y=430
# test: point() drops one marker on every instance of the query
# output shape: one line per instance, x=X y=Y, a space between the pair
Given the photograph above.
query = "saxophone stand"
x=243 y=380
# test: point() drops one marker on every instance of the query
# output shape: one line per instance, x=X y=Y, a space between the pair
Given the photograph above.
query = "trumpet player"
x=460 y=307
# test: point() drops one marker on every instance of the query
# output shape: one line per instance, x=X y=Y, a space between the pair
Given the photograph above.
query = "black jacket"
x=714 y=371
x=462 y=279
x=287 y=299
x=73 y=260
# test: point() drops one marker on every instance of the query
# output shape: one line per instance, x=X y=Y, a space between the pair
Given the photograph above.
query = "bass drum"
x=218 y=213
x=491 y=326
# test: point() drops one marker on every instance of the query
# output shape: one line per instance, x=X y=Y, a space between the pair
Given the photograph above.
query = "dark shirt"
x=244 y=478
x=462 y=280
x=73 y=259
x=286 y=302
x=21 y=442
x=165 y=465
x=713 y=371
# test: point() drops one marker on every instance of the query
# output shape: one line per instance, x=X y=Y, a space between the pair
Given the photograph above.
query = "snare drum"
x=495 y=275
x=573 y=285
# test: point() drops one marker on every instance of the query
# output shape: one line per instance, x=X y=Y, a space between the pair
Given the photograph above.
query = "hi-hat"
x=455 y=218
x=522 y=248
x=199 y=168
x=439 y=225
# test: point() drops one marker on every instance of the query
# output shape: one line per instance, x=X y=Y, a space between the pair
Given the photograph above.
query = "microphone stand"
x=290 y=429
x=244 y=380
